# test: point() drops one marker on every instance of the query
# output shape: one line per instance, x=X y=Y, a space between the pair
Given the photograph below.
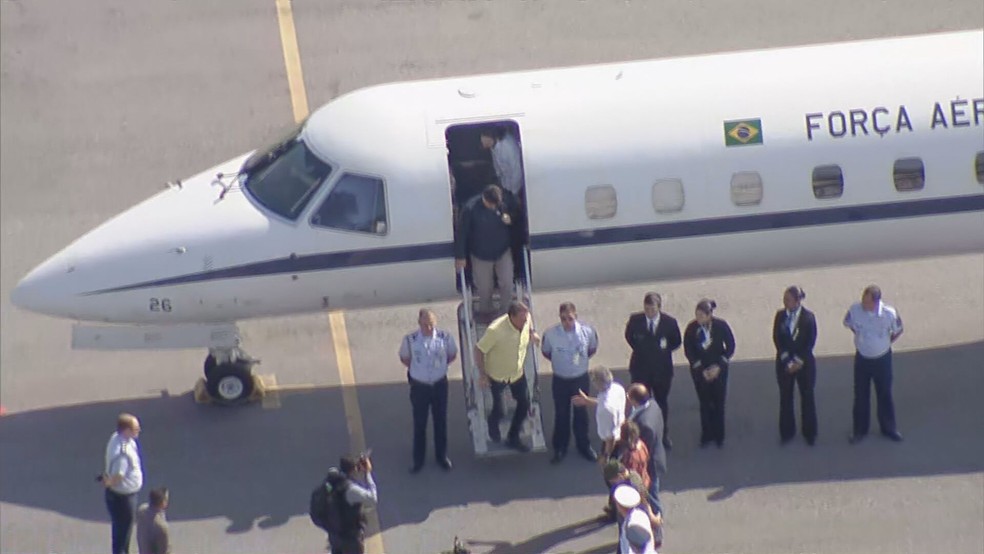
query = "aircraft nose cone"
x=44 y=290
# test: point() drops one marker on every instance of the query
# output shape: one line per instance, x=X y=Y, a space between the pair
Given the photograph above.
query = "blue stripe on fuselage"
x=585 y=237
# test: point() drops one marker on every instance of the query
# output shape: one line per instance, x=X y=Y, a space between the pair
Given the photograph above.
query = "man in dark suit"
x=794 y=333
x=646 y=413
x=653 y=336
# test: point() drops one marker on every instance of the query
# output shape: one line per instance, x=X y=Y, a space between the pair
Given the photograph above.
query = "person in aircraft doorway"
x=507 y=160
x=484 y=238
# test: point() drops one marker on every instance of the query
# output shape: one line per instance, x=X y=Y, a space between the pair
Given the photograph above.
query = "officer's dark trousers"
x=347 y=545
x=519 y=392
x=806 y=379
x=878 y=370
x=433 y=399
x=711 y=396
x=563 y=390
x=122 y=509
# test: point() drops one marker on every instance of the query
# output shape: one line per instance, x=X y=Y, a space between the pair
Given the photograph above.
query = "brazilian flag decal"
x=742 y=132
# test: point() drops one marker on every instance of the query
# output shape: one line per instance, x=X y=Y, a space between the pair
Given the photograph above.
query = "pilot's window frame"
x=825 y=181
x=907 y=175
x=672 y=186
x=313 y=220
x=979 y=166
x=747 y=188
x=600 y=201
x=305 y=201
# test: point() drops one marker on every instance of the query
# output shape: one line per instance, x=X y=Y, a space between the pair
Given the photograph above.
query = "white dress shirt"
x=611 y=412
x=123 y=458
x=873 y=330
x=508 y=163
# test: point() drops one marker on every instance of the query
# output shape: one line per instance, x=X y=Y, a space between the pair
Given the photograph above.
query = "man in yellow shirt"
x=501 y=356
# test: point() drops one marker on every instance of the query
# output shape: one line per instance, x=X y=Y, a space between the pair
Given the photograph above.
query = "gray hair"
x=601 y=377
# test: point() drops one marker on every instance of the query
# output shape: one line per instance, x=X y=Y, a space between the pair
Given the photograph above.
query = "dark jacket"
x=482 y=232
x=720 y=351
x=650 y=422
x=797 y=344
x=647 y=354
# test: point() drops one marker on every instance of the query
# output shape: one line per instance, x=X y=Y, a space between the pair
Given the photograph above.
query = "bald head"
x=637 y=393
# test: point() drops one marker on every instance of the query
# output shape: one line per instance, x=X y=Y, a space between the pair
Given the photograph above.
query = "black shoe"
x=589 y=454
x=720 y=443
x=783 y=441
x=517 y=444
x=705 y=442
x=415 y=468
x=893 y=435
x=811 y=440
x=855 y=438
x=558 y=457
x=667 y=444
x=445 y=463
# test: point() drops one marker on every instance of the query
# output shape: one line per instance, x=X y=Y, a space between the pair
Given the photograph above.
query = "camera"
x=99 y=478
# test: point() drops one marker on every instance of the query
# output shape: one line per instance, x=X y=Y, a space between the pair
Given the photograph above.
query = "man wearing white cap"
x=636 y=531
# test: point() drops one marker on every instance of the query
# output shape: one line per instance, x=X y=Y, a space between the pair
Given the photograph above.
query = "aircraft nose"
x=45 y=289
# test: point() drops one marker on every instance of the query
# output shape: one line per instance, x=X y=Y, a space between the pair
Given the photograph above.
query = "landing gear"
x=229 y=375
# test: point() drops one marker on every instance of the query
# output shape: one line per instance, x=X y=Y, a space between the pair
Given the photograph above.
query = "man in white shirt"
x=568 y=346
x=427 y=353
x=876 y=327
x=610 y=402
x=507 y=160
x=123 y=479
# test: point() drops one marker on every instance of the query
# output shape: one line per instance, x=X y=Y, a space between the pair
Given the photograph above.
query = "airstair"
x=478 y=399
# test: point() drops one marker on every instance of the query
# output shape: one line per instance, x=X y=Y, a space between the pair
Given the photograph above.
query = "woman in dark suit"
x=794 y=333
x=709 y=345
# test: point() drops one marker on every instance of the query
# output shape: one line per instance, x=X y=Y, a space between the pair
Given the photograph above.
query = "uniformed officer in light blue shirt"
x=427 y=353
x=876 y=326
x=568 y=346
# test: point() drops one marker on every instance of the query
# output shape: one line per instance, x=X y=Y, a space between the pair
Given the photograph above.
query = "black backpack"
x=324 y=509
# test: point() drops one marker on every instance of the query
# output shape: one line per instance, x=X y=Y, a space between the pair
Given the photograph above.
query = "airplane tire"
x=228 y=383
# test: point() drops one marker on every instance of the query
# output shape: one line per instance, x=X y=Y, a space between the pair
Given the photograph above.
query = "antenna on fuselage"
x=226 y=187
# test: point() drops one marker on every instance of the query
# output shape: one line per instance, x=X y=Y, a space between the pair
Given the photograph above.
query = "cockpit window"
x=356 y=203
x=285 y=177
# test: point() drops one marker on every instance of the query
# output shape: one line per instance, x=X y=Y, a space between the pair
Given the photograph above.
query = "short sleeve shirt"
x=568 y=350
x=505 y=349
x=123 y=458
x=873 y=330
x=428 y=355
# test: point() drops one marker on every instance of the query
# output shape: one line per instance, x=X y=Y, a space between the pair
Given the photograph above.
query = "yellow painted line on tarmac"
x=339 y=335
x=292 y=59
x=353 y=414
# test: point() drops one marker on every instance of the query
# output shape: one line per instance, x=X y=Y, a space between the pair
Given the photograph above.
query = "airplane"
x=634 y=172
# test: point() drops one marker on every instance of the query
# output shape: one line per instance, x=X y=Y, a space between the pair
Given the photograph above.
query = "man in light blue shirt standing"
x=876 y=326
x=568 y=346
x=426 y=353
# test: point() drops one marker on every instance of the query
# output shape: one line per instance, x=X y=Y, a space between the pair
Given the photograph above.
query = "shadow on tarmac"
x=257 y=467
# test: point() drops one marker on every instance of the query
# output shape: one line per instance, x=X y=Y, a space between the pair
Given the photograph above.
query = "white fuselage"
x=622 y=134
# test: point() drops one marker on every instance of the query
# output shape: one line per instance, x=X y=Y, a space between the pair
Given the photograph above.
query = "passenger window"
x=979 y=166
x=356 y=203
x=746 y=188
x=668 y=196
x=828 y=182
x=600 y=202
x=909 y=174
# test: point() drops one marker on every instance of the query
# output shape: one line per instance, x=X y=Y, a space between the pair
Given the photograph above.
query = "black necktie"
x=652 y=327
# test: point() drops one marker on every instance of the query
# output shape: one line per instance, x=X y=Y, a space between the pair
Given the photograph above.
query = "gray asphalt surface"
x=104 y=101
